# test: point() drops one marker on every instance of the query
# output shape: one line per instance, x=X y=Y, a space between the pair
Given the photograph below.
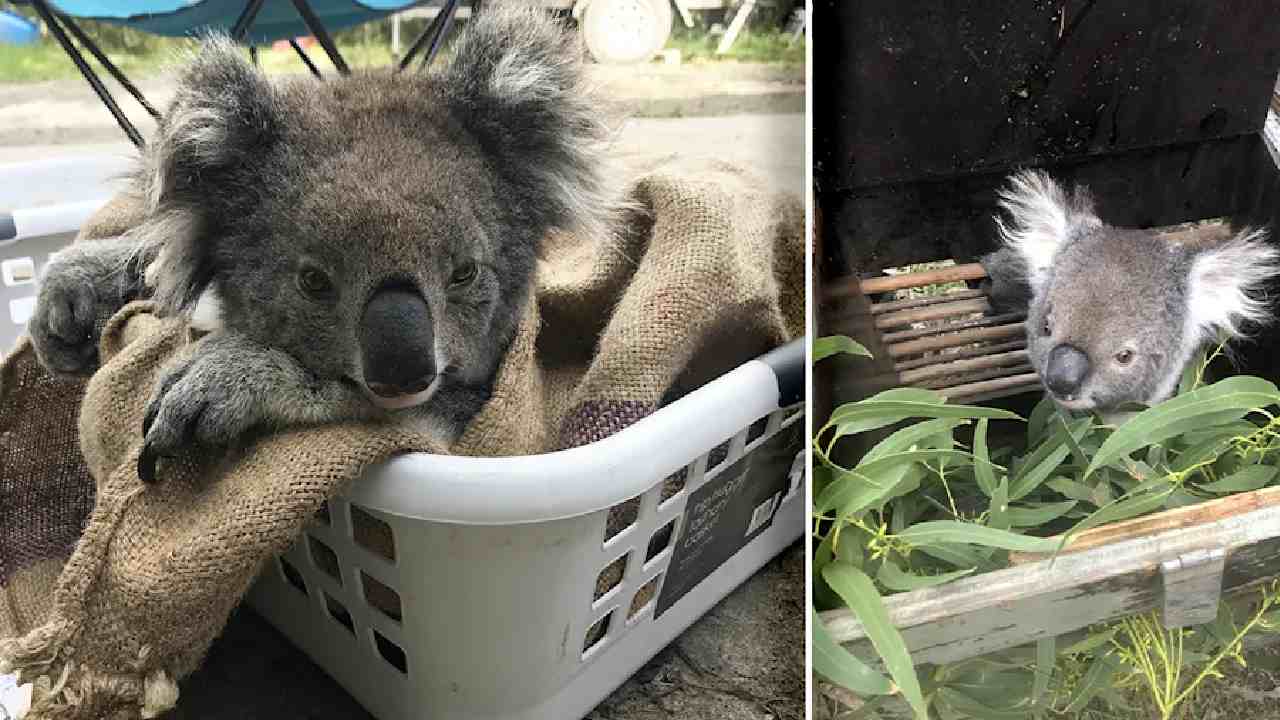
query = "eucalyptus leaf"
x=825 y=347
x=1250 y=478
x=983 y=471
x=951 y=531
x=841 y=667
x=1097 y=677
x=1036 y=515
x=1046 y=658
x=855 y=490
x=1240 y=394
x=914 y=434
x=895 y=578
x=860 y=594
x=1121 y=509
x=966 y=705
x=998 y=509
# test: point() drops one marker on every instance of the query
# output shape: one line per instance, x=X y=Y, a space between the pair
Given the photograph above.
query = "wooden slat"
x=960 y=392
x=960 y=354
x=986 y=397
x=1011 y=607
x=964 y=337
x=954 y=273
x=982 y=362
x=896 y=305
x=946 y=385
x=1175 y=519
x=904 y=335
x=959 y=308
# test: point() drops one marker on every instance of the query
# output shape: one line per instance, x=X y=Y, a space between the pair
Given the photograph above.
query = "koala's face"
x=1116 y=314
x=386 y=259
x=1106 y=327
x=381 y=228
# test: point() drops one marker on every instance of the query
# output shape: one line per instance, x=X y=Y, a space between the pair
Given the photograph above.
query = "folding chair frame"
x=432 y=38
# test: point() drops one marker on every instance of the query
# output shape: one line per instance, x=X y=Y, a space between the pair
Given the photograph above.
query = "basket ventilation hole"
x=717 y=455
x=292 y=576
x=372 y=534
x=323 y=514
x=339 y=613
x=325 y=559
x=674 y=483
x=757 y=429
x=381 y=597
x=643 y=596
x=597 y=633
x=660 y=540
x=391 y=652
x=621 y=516
x=610 y=577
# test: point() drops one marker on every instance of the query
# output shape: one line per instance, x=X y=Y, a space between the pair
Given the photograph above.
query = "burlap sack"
x=709 y=275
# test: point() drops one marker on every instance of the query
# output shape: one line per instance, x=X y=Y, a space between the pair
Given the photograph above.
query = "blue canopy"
x=277 y=20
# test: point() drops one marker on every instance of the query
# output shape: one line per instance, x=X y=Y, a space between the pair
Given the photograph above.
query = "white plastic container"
x=27 y=238
x=497 y=561
x=492 y=564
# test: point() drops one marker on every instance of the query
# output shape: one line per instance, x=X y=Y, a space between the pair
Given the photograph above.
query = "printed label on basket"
x=721 y=517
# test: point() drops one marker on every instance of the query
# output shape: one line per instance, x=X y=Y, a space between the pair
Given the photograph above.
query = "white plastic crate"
x=458 y=588
x=27 y=238
x=466 y=588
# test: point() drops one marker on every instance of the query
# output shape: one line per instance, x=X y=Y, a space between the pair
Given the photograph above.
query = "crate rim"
x=517 y=490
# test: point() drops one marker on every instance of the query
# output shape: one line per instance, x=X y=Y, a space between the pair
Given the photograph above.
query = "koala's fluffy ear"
x=517 y=80
x=1041 y=218
x=1226 y=285
x=223 y=114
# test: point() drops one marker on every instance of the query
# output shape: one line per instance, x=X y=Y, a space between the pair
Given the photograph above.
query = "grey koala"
x=359 y=248
x=1115 y=314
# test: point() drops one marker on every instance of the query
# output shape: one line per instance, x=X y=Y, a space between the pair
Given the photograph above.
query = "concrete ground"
x=744 y=660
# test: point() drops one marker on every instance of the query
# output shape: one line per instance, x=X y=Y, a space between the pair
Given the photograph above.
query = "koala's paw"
x=209 y=399
x=63 y=328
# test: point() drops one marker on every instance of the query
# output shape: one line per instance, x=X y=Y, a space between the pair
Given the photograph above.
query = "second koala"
x=357 y=248
x=1114 y=315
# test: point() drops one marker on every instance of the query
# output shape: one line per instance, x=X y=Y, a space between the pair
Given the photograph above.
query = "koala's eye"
x=1124 y=357
x=464 y=274
x=314 y=282
x=1046 y=329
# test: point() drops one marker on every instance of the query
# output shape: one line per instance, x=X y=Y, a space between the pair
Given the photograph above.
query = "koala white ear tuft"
x=222 y=113
x=1041 y=217
x=518 y=81
x=1226 y=284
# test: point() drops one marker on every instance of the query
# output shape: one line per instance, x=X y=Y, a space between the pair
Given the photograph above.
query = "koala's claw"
x=204 y=401
x=63 y=327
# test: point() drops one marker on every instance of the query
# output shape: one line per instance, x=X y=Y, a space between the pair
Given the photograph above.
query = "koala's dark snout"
x=1066 y=369
x=397 y=343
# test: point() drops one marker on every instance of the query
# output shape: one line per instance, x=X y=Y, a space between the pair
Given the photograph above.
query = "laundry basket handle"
x=788 y=364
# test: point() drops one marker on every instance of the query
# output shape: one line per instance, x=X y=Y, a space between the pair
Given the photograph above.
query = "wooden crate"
x=1180 y=562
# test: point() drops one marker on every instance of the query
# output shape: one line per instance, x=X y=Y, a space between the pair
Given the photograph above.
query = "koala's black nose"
x=1066 y=369
x=397 y=343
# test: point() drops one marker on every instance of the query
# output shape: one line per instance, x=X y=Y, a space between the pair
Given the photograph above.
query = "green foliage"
x=935 y=502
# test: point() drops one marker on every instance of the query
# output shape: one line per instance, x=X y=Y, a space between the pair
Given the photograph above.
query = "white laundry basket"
x=457 y=588
x=27 y=238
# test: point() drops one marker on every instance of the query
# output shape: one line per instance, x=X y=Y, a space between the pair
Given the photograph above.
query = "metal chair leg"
x=42 y=8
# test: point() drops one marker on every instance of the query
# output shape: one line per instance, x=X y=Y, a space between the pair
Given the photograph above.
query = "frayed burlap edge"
x=64 y=689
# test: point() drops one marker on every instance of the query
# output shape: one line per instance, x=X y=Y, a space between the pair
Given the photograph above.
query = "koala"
x=357 y=248
x=1114 y=315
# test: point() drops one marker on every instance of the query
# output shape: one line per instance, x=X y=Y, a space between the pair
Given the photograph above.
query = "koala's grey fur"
x=372 y=179
x=1115 y=293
